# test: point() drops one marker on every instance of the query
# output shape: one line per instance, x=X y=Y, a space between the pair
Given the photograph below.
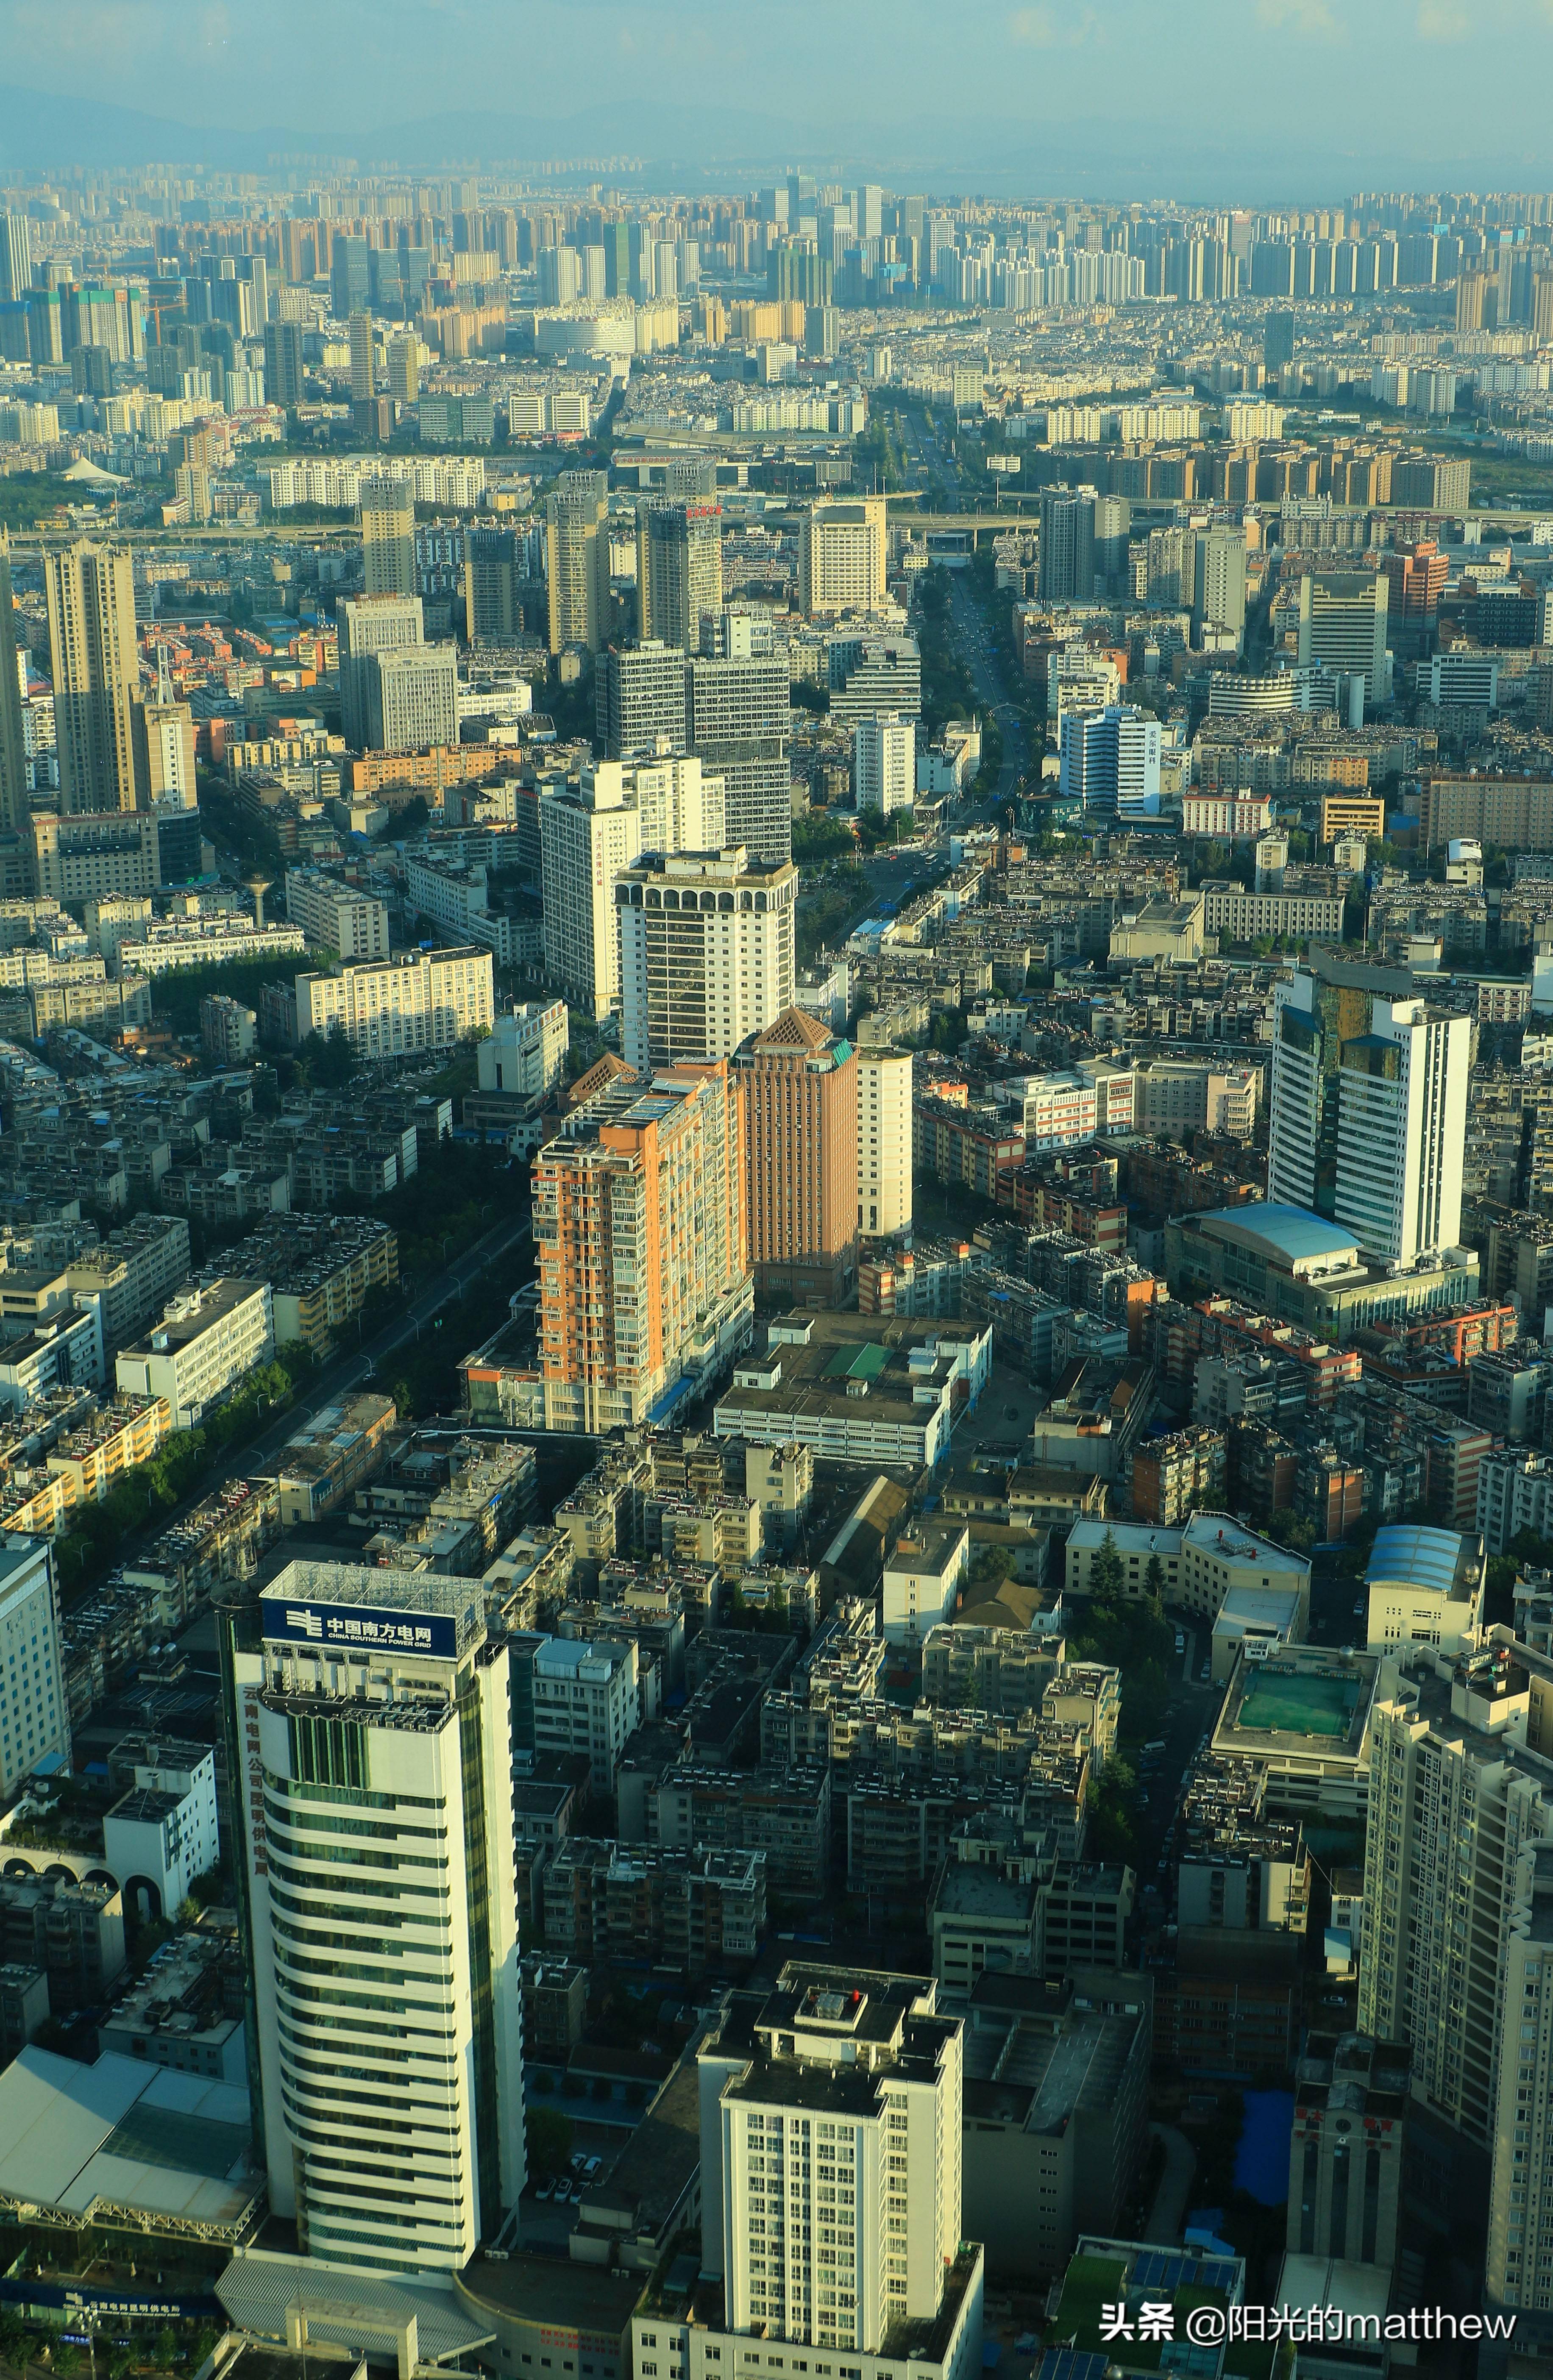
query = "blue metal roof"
x=1294 y=1232
x=1424 y=1557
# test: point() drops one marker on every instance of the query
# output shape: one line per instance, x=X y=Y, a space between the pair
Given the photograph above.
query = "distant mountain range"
x=687 y=147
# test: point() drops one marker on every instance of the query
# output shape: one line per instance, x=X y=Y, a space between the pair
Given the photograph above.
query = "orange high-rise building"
x=799 y=1089
x=1417 y=573
x=643 y=1248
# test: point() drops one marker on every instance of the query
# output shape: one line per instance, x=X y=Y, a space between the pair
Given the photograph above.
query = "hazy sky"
x=1345 y=91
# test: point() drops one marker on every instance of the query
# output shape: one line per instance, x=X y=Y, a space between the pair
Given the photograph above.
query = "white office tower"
x=588 y=833
x=884 y=1140
x=372 y=1717
x=844 y=555
x=1520 y=2263
x=1401 y=1129
x=884 y=764
x=1110 y=760
x=831 y=2178
x=706 y=952
x=1342 y=627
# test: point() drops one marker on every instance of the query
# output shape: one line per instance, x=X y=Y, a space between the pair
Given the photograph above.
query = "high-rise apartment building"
x=843 y=557
x=16 y=260
x=832 y=2173
x=412 y=698
x=283 y=369
x=739 y=714
x=418 y=1001
x=13 y=743
x=679 y=571
x=1341 y=626
x=96 y=672
x=1067 y=544
x=884 y=764
x=363 y=379
x=680 y=805
x=577 y=559
x=404 y=367
x=706 y=952
x=370 y=625
x=639 y=1221
x=640 y=697
x=164 y=734
x=387 y=510
x=1402 y=1130
x=589 y=831
x=885 y=1141
x=35 y=1720
x=334 y=915
x=369 y=1719
x=1110 y=760
x=1218 y=582
x=492 y=610
x=1460 y=1805
x=799 y=1088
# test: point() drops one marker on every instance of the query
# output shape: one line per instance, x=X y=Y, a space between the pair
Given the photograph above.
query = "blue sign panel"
x=365 y=1627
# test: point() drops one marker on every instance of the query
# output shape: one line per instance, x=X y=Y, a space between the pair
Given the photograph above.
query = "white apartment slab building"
x=832 y=2187
x=587 y=1699
x=885 y=1141
x=402 y=1007
x=208 y=1339
x=884 y=764
x=335 y=917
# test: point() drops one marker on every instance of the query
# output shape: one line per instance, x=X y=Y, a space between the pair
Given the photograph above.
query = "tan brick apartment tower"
x=799 y=1086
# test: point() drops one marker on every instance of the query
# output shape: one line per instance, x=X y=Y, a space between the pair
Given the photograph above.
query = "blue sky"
x=1148 y=98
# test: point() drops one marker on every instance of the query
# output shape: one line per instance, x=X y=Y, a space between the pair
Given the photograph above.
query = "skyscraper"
x=640 y=1224
x=1218 y=582
x=349 y=276
x=1365 y=1084
x=362 y=380
x=492 y=614
x=1110 y=760
x=843 y=556
x=589 y=831
x=1402 y=1130
x=640 y=698
x=1277 y=340
x=404 y=367
x=577 y=559
x=1342 y=627
x=799 y=1088
x=1067 y=544
x=387 y=511
x=13 y=748
x=679 y=570
x=412 y=698
x=96 y=672
x=369 y=625
x=739 y=714
x=707 y=951
x=282 y=363
x=371 y=1730
x=15 y=259
x=163 y=734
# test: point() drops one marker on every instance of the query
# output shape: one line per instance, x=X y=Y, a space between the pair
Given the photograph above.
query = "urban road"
x=352 y=1369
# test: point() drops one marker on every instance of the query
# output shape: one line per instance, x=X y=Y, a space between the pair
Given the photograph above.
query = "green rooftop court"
x=865 y=1363
x=1282 y=1700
